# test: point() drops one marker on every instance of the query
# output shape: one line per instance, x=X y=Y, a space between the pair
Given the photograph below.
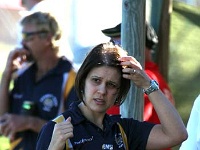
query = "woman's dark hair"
x=105 y=54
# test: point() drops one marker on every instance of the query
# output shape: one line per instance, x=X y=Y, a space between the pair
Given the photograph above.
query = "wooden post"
x=160 y=11
x=133 y=40
x=163 y=45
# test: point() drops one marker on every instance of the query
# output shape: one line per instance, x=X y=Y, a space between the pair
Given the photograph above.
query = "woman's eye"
x=95 y=80
x=111 y=85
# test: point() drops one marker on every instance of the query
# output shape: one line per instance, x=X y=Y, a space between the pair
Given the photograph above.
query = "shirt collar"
x=76 y=114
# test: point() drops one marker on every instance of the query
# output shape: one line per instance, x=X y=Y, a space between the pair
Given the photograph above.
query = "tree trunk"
x=163 y=46
x=133 y=40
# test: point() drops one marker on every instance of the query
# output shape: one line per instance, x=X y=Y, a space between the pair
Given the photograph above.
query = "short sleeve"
x=137 y=133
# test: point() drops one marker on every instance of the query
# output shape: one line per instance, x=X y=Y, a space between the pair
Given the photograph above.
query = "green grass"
x=184 y=72
x=184 y=66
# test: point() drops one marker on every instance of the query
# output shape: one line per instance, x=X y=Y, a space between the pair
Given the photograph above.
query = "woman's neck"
x=94 y=117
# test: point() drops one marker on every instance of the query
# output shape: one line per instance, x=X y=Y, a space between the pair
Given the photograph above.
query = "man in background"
x=59 y=10
x=42 y=90
x=79 y=22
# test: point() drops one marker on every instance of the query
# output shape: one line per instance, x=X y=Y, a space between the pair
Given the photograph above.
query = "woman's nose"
x=102 y=89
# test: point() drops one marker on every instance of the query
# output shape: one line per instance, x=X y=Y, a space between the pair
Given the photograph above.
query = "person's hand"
x=133 y=70
x=10 y=124
x=15 y=60
x=61 y=133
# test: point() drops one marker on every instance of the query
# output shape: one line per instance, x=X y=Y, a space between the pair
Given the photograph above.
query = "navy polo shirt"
x=88 y=136
x=46 y=94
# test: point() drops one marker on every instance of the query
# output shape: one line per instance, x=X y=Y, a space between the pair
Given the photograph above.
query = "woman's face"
x=101 y=88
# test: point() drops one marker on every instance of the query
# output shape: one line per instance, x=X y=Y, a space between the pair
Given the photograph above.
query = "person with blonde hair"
x=38 y=92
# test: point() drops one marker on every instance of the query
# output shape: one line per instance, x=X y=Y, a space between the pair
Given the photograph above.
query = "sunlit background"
x=86 y=19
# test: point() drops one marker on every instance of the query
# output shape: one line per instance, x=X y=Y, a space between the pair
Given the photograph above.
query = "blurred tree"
x=133 y=35
x=159 y=18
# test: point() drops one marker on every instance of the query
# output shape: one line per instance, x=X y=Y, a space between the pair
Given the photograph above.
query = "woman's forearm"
x=172 y=124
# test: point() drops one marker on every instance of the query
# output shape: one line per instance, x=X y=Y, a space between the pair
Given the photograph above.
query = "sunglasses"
x=27 y=36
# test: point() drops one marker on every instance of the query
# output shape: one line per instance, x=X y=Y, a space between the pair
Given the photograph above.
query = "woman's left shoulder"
x=123 y=121
x=134 y=124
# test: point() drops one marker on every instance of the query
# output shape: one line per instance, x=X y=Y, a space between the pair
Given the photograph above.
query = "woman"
x=103 y=81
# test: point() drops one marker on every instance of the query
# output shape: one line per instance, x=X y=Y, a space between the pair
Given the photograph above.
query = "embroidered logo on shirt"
x=107 y=147
x=119 y=140
x=83 y=141
x=49 y=101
